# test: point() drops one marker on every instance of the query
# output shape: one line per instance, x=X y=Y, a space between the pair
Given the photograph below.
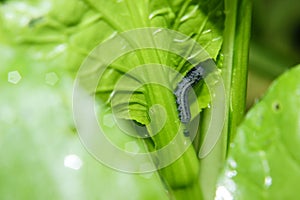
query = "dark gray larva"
x=182 y=89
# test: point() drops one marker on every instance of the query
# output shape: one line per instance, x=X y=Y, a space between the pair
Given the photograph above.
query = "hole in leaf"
x=276 y=106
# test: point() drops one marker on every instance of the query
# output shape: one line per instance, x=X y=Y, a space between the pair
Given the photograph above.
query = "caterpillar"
x=182 y=89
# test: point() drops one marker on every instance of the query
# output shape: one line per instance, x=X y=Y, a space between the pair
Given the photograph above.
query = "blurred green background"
x=275 y=43
x=41 y=156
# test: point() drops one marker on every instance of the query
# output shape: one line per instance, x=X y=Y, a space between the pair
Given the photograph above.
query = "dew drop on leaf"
x=72 y=161
x=14 y=77
x=132 y=147
x=51 y=78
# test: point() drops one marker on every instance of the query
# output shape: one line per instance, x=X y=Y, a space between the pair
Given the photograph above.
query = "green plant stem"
x=236 y=51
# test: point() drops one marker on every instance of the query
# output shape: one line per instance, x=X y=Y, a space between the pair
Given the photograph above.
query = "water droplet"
x=199 y=53
x=108 y=120
x=72 y=161
x=147 y=175
x=268 y=181
x=223 y=194
x=216 y=39
x=190 y=14
x=14 y=77
x=159 y=12
x=185 y=142
x=157 y=31
x=206 y=31
x=232 y=163
x=265 y=163
x=51 y=78
x=181 y=40
x=132 y=147
x=114 y=34
x=231 y=174
x=60 y=48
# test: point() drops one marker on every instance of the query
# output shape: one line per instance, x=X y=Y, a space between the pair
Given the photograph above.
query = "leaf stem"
x=234 y=72
x=236 y=61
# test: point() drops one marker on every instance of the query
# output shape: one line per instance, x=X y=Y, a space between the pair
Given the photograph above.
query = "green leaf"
x=64 y=36
x=263 y=160
x=191 y=20
x=189 y=17
x=52 y=34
